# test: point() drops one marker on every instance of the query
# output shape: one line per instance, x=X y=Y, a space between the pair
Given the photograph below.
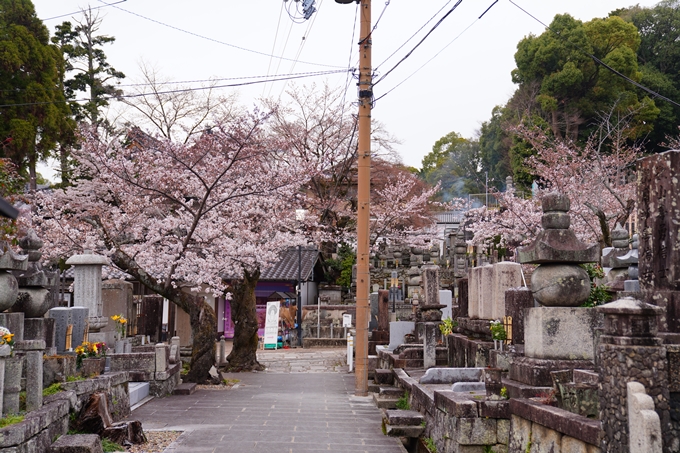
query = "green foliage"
x=88 y=65
x=74 y=378
x=504 y=392
x=10 y=420
x=447 y=326
x=598 y=293
x=109 y=446
x=440 y=151
x=497 y=330
x=402 y=403
x=429 y=443
x=339 y=270
x=31 y=72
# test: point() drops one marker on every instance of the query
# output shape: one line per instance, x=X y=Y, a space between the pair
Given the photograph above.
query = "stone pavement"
x=303 y=403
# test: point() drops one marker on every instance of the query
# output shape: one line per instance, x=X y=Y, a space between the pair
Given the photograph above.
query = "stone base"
x=15 y=323
x=536 y=372
x=103 y=337
x=40 y=329
x=561 y=333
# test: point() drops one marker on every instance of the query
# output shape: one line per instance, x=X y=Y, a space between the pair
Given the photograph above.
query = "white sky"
x=456 y=91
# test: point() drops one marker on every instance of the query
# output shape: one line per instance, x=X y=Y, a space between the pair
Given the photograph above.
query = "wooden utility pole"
x=363 y=199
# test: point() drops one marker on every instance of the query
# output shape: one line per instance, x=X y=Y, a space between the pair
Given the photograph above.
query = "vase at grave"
x=92 y=366
x=559 y=281
x=119 y=347
x=12 y=385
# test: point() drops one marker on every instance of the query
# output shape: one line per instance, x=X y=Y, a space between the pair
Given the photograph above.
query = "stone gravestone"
x=62 y=319
x=659 y=229
x=517 y=302
x=558 y=335
x=87 y=287
x=373 y=324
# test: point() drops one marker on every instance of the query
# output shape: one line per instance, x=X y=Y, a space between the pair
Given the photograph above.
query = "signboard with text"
x=271 y=324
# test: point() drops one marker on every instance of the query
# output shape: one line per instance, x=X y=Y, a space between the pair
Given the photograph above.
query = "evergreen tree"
x=33 y=112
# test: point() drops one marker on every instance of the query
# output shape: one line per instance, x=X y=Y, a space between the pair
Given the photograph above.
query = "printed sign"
x=346 y=320
x=271 y=323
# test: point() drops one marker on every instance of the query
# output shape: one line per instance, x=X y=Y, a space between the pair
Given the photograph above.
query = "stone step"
x=81 y=443
x=519 y=390
x=186 y=388
x=403 y=418
x=384 y=377
x=390 y=391
x=373 y=388
x=385 y=402
x=138 y=391
x=405 y=431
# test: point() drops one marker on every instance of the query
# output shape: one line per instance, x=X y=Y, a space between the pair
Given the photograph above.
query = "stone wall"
x=646 y=365
x=115 y=385
x=39 y=428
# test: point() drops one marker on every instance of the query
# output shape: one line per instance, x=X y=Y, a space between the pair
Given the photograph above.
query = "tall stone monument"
x=87 y=287
x=658 y=205
x=559 y=334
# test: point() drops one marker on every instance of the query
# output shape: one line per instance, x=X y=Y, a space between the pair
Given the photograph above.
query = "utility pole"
x=363 y=198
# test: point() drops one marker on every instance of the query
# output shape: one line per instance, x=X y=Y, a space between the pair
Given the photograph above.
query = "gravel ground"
x=157 y=442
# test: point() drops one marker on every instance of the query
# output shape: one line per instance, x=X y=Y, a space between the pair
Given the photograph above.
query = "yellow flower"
x=94 y=348
x=123 y=320
x=8 y=336
x=115 y=317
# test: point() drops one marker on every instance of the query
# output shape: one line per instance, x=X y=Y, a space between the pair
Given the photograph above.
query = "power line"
x=276 y=37
x=420 y=42
x=437 y=54
x=414 y=34
x=216 y=40
x=598 y=61
x=80 y=11
x=185 y=90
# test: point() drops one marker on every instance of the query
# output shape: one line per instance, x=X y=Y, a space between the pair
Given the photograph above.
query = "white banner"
x=271 y=323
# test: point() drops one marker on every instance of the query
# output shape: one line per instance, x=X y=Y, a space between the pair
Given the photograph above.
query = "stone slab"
x=451 y=375
x=77 y=443
x=404 y=417
x=454 y=404
x=398 y=329
x=536 y=372
x=561 y=333
x=186 y=388
x=576 y=426
x=468 y=387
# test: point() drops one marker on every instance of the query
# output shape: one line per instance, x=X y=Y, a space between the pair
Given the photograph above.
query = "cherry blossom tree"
x=598 y=177
x=183 y=219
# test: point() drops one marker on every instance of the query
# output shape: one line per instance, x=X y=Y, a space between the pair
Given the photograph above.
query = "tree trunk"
x=243 y=356
x=204 y=333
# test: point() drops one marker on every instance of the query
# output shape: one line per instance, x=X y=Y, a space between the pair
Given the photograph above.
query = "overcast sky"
x=455 y=91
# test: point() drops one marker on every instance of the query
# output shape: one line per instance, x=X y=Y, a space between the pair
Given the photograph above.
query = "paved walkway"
x=303 y=403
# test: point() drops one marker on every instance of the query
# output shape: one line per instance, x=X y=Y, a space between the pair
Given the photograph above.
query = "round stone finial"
x=555 y=201
x=619 y=237
x=31 y=245
x=555 y=211
x=636 y=242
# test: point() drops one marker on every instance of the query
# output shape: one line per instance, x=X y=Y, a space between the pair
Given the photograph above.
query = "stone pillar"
x=505 y=275
x=659 y=228
x=12 y=385
x=643 y=423
x=430 y=345
x=174 y=341
x=5 y=351
x=630 y=351
x=383 y=310
x=460 y=255
x=87 y=286
x=517 y=302
x=463 y=297
x=618 y=258
x=430 y=284
x=33 y=352
x=632 y=285
x=79 y=317
x=223 y=349
x=162 y=359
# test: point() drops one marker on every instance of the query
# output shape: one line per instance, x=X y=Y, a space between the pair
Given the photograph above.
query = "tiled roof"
x=287 y=267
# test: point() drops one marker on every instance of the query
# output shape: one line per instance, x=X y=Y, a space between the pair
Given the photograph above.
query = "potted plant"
x=91 y=358
x=498 y=334
x=121 y=327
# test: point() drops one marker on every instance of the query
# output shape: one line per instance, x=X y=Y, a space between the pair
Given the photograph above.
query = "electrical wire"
x=80 y=11
x=414 y=34
x=276 y=37
x=216 y=40
x=598 y=61
x=438 y=53
x=420 y=42
x=185 y=90
x=350 y=72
